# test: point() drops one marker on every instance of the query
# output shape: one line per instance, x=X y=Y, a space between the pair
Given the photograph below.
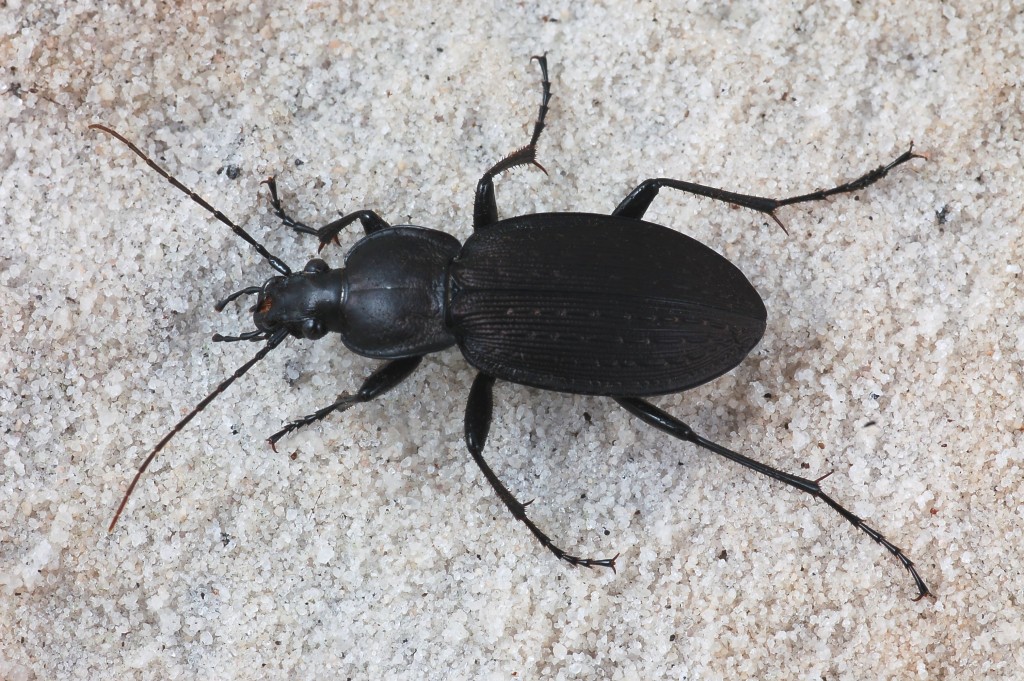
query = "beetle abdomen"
x=600 y=305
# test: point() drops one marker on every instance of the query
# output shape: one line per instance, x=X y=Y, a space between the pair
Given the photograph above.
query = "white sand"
x=378 y=551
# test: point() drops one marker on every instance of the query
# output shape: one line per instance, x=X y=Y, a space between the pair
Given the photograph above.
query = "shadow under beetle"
x=572 y=302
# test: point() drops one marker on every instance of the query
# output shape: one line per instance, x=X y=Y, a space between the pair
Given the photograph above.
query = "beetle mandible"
x=593 y=304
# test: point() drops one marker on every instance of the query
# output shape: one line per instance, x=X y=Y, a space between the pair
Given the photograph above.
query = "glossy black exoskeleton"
x=572 y=302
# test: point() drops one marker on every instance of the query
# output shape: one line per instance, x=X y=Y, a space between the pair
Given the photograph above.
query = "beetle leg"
x=639 y=200
x=479 y=409
x=665 y=422
x=288 y=221
x=380 y=381
x=485 y=210
x=371 y=221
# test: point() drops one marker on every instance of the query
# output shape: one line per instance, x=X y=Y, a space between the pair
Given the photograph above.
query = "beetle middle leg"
x=479 y=409
x=485 y=209
x=667 y=423
x=639 y=200
x=380 y=381
x=370 y=220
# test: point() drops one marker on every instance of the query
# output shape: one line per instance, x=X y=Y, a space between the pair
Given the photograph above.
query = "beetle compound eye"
x=313 y=329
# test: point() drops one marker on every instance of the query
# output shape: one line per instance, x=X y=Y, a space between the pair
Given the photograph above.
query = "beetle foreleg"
x=380 y=381
x=479 y=409
x=370 y=220
x=639 y=200
x=665 y=422
x=371 y=223
x=289 y=221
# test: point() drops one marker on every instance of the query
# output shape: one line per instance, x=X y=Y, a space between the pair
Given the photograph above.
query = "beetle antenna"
x=248 y=290
x=252 y=336
x=274 y=261
x=272 y=343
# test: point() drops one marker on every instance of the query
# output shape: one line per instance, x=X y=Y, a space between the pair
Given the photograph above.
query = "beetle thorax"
x=394 y=292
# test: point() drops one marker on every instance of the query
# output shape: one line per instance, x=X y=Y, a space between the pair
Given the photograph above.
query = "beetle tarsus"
x=479 y=409
x=371 y=222
x=344 y=403
x=637 y=202
x=287 y=220
x=865 y=180
x=667 y=423
x=386 y=377
x=485 y=209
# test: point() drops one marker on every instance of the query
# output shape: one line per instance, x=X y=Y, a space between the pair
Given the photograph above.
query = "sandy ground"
x=369 y=546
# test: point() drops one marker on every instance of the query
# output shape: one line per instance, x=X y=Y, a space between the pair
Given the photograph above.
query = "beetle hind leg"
x=479 y=409
x=665 y=422
x=485 y=209
x=639 y=200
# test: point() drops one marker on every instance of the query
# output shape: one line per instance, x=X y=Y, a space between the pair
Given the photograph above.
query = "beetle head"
x=306 y=304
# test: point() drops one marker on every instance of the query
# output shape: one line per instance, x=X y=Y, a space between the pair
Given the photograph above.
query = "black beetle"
x=572 y=302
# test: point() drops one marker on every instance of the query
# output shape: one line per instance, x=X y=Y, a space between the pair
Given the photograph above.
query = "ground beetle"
x=572 y=302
